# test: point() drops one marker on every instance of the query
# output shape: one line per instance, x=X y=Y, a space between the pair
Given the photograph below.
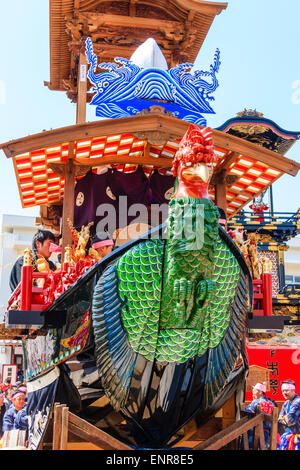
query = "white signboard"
x=9 y=371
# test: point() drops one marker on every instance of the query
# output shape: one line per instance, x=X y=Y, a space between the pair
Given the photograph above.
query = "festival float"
x=155 y=334
x=273 y=353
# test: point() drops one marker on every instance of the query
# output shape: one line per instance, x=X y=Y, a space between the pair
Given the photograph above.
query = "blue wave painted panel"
x=125 y=89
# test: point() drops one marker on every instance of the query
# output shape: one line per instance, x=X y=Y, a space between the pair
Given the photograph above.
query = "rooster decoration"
x=169 y=315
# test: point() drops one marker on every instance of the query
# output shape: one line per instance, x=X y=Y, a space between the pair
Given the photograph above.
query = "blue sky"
x=260 y=69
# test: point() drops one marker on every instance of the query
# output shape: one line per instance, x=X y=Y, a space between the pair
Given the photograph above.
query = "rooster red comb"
x=196 y=146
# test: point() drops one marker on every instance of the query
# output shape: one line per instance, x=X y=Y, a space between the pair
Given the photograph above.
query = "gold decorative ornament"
x=27 y=257
x=68 y=255
x=81 y=239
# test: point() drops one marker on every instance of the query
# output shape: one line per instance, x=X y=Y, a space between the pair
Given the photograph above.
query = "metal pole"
x=271 y=201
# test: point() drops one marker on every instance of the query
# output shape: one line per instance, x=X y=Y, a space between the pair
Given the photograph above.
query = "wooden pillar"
x=274 y=429
x=57 y=414
x=229 y=417
x=221 y=179
x=220 y=191
x=64 y=428
x=81 y=89
x=68 y=205
x=70 y=174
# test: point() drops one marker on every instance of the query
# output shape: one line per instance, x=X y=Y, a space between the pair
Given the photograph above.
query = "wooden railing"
x=66 y=422
x=240 y=428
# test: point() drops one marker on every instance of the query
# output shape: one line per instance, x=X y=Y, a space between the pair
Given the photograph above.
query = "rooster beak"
x=196 y=172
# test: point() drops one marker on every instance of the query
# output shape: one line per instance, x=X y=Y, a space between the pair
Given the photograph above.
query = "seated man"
x=40 y=249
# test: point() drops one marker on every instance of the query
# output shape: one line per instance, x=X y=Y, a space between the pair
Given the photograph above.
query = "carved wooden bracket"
x=223 y=177
x=79 y=170
x=156 y=137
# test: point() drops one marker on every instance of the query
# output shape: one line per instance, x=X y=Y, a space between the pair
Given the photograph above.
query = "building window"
x=291 y=279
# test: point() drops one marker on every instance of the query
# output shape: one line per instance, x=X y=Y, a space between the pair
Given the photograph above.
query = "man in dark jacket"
x=266 y=405
x=21 y=420
x=40 y=249
x=2 y=411
x=8 y=397
x=289 y=417
x=18 y=402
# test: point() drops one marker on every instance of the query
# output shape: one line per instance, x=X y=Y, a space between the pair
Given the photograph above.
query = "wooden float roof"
x=178 y=26
x=150 y=140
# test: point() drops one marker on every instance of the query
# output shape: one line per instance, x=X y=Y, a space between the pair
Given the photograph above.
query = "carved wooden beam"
x=141 y=123
x=191 y=16
x=132 y=7
x=94 y=21
x=204 y=7
x=228 y=160
x=160 y=162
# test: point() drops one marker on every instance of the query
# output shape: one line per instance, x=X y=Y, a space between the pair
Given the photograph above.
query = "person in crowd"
x=266 y=405
x=2 y=412
x=23 y=388
x=20 y=375
x=102 y=247
x=18 y=402
x=6 y=384
x=40 y=249
x=21 y=420
x=289 y=417
x=8 y=397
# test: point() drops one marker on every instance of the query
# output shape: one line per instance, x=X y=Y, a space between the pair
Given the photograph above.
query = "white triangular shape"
x=148 y=55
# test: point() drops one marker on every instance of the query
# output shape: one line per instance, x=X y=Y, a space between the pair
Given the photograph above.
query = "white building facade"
x=292 y=261
x=16 y=233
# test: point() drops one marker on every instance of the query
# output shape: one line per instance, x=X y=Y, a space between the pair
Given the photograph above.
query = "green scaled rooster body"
x=189 y=263
x=172 y=299
x=176 y=298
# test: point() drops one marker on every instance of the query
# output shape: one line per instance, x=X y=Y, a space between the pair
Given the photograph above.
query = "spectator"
x=21 y=420
x=40 y=249
x=8 y=395
x=18 y=402
x=289 y=417
x=2 y=411
x=266 y=406
x=103 y=247
x=6 y=385
x=23 y=388
x=20 y=375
